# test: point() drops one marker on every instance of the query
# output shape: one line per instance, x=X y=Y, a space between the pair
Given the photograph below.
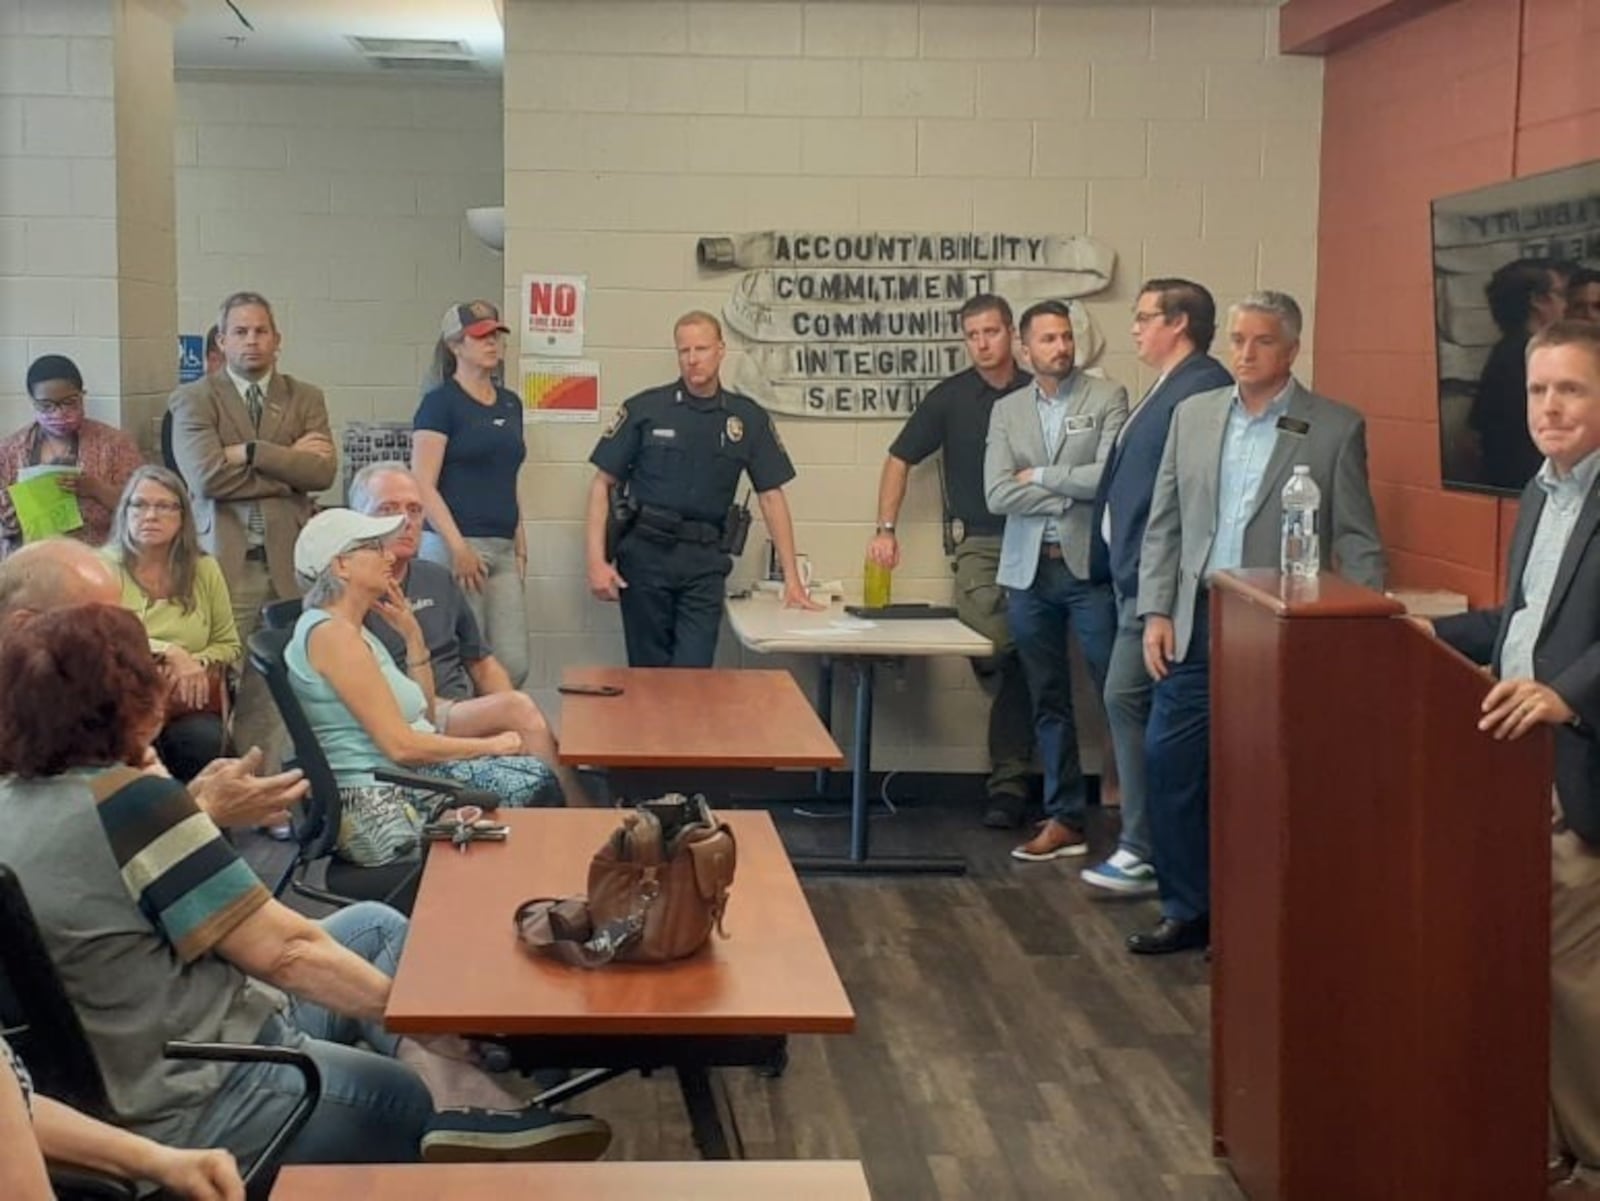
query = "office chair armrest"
x=250 y=1053
x=451 y=795
x=72 y=1183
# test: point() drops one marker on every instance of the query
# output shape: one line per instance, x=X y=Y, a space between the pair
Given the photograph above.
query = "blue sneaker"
x=479 y=1135
x=1124 y=873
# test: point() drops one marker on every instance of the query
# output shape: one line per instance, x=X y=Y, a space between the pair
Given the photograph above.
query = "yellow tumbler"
x=875 y=590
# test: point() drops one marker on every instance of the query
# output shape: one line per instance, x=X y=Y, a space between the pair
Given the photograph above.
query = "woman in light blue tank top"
x=365 y=712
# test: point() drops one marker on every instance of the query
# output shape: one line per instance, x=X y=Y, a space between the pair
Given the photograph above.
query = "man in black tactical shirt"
x=680 y=450
x=954 y=419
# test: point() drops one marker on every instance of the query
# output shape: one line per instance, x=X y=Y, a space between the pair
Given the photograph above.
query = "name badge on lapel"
x=1082 y=423
x=1293 y=425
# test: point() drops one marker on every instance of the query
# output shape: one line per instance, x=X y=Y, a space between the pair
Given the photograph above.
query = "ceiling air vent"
x=387 y=62
x=416 y=54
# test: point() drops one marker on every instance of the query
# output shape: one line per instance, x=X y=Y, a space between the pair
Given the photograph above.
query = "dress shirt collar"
x=1067 y=382
x=1278 y=405
x=243 y=385
x=1575 y=483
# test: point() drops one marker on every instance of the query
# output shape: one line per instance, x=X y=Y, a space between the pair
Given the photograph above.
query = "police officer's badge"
x=616 y=421
x=735 y=429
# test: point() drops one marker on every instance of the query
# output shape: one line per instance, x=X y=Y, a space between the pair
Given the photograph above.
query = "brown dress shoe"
x=1055 y=840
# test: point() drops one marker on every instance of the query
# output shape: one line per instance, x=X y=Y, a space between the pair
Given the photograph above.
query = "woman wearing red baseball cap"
x=466 y=450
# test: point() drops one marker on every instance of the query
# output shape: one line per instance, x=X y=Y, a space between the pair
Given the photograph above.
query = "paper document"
x=44 y=509
x=842 y=627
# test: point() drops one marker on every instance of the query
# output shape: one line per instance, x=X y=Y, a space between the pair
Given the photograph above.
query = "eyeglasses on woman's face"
x=60 y=405
x=163 y=508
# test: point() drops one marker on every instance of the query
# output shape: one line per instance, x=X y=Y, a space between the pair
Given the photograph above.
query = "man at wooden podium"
x=1216 y=507
x=1544 y=645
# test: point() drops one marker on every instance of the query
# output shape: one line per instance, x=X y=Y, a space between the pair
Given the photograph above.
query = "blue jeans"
x=373 y=1109
x=1127 y=697
x=1040 y=617
x=500 y=609
x=1177 y=755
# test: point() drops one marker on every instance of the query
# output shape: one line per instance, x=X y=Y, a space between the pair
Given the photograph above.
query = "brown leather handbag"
x=657 y=889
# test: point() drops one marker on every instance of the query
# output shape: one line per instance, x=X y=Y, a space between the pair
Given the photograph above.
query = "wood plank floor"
x=1008 y=1046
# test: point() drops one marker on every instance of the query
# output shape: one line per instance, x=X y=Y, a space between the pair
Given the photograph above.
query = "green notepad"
x=44 y=508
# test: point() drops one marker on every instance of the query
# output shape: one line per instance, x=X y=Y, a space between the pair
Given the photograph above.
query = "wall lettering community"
x=864 y=325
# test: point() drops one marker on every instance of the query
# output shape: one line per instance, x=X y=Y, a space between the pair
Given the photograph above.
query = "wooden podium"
x=1380 y=909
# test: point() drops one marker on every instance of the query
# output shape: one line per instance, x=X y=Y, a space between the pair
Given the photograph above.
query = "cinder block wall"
x=1176 y=134
x=343 y=202
x=86 y=265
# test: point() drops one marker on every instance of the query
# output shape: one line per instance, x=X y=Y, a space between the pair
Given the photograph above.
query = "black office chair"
x=41 y=1025
x=316 y=829
x=169 y=457
x=281 y=614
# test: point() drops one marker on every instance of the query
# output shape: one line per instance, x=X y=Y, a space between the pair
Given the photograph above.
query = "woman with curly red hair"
x=160 y=931
x=98 y=658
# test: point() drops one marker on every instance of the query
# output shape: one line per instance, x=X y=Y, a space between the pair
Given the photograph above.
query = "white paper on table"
x=38 y=469
x=843 y=627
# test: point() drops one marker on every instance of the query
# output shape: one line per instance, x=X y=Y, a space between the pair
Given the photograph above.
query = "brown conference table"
x=693 y=717
x=689 y=718
x=464 y=972
x=800 y=1180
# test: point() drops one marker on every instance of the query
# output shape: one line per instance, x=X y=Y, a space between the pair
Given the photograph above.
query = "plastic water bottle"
x=1300 y=551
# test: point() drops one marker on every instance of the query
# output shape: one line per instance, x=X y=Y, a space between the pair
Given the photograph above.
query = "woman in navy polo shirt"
x=466 y=451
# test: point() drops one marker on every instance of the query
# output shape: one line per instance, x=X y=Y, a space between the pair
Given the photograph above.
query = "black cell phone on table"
x=589 y=689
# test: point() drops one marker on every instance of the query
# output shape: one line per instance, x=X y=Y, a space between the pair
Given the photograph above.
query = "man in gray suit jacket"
x=1216 y=507
x=1047 y=445
x=252 y=444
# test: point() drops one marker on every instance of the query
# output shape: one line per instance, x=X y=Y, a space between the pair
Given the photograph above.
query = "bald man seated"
x=58 y=572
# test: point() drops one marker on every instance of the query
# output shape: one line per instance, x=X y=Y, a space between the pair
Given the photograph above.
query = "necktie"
x=255 y=520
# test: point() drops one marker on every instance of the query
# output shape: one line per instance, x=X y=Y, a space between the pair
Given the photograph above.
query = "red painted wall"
x=1472 y=93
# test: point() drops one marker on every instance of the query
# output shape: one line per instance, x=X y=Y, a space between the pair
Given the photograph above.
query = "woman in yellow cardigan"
x=180 y=595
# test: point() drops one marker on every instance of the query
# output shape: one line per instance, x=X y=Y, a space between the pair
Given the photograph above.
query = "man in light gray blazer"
x=1047 y=445
x=1217 y=505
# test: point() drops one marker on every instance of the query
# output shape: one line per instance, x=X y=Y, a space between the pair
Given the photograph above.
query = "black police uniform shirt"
x=954 y=417
x=680 y=452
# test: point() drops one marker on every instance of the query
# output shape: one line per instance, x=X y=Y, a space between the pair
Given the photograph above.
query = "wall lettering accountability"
x=864 y=324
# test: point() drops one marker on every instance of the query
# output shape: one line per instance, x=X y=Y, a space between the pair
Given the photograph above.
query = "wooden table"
x=464 y=972
x=765 y=626
x=692 y=717
x=802 y=1180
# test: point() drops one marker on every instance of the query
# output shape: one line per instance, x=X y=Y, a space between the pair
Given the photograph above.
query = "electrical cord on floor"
x=889 y=807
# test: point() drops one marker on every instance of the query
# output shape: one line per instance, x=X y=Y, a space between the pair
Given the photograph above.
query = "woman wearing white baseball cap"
x=366 y=712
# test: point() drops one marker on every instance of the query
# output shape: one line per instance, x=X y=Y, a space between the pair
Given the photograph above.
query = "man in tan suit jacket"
x=252 y=444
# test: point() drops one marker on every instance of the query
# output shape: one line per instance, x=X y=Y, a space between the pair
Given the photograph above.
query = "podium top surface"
x=1296 y=597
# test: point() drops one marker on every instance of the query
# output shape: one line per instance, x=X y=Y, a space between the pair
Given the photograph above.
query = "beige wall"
x=86 y=210
x=1172 y=133
x=343 y=203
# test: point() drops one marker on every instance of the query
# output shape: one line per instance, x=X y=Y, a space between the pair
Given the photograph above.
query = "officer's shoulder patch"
x=617 y=420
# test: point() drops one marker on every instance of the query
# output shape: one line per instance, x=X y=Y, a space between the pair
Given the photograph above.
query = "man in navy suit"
x=1544 y=647
x=1174 y=321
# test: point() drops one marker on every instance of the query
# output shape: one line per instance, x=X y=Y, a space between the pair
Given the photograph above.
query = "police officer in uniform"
x=680 y=450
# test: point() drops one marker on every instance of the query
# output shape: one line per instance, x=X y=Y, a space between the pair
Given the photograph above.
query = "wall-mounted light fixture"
x=489 y=226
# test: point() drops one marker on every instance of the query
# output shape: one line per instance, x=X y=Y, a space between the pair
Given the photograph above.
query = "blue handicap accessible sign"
x=191 y=357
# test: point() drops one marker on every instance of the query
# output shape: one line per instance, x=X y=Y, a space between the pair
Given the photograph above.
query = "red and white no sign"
x=553 y=314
